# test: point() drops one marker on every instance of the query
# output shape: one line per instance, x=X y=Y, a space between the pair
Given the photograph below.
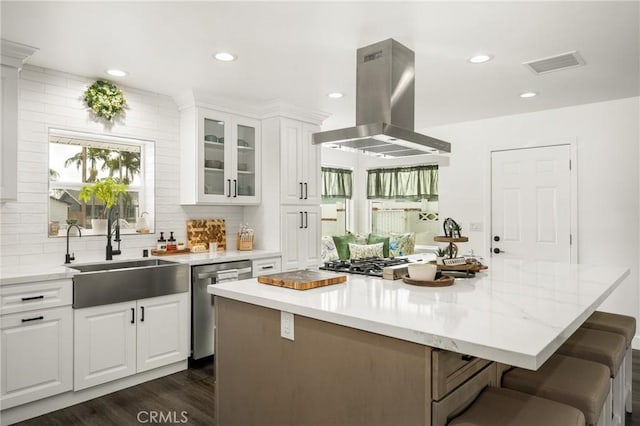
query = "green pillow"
x=342 y=244
x=373 y=239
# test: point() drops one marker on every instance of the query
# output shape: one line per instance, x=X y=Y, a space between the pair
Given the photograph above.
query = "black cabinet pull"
x=301 y=221
x=264 y=268
x=32 y=319
x=300 y=197
x=306 y=191
x=235 y=188
x=467 y=357
x=306 y=220
x=142 y=316
x=133 y=315
x=229 y=183
x=24 y=299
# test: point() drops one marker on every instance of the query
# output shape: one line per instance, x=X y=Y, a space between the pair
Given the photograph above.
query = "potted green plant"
x=440 y=255
x=108 y=190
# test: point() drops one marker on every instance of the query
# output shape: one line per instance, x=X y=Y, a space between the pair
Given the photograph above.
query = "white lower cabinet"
x=163 y=331
x=121 y=339
x=269 y=265
x=36 y=355
x=300 y=237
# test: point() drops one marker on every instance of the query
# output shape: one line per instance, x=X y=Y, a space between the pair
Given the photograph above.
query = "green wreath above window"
x=105 y=99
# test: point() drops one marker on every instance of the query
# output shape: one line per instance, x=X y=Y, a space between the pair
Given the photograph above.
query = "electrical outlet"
x=286 y=325
x=475 y=226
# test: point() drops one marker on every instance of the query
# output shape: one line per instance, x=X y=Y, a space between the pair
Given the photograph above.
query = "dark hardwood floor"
x=191 y=392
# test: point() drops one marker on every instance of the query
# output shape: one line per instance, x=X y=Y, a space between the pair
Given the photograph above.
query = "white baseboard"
x=635 y=343
x=57 y=402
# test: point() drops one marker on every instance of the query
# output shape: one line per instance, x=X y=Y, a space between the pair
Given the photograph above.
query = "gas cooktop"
x=372 y=266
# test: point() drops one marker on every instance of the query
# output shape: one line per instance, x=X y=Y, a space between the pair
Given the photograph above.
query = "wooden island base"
x=330 y=374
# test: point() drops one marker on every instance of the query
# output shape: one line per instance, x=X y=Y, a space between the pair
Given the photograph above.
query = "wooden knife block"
x=244 y=245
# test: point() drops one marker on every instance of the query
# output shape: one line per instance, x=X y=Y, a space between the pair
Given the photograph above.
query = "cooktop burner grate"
x=371 y=266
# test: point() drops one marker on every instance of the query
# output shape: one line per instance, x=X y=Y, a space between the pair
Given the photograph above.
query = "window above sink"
x=76 y=159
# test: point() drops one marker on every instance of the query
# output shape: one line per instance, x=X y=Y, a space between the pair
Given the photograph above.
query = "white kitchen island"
x=363 y=349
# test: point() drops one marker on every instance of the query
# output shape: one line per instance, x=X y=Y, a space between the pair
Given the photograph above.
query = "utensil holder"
x=246 y=244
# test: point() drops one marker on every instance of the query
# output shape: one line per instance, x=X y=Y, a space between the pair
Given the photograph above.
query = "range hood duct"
x=384 y=106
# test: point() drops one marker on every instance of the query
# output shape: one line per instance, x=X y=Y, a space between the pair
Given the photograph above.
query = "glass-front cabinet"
x=227 y=159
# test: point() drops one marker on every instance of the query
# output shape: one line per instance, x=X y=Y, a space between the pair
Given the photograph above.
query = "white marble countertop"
x=220 y=257
x=29 y=273
x=517 y=312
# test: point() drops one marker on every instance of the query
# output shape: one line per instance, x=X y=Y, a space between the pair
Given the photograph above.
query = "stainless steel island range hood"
x=384 y=106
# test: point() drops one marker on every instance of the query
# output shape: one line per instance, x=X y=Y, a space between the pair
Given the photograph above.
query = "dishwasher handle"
x=224 y=275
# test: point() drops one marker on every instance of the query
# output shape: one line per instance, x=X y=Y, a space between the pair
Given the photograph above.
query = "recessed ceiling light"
x=225 y=56
x=528 y=94
x=335 y=95
x=117 y=73
x=480 y=59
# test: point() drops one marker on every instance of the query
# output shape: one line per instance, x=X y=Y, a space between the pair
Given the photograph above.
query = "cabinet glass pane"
x=246 y=160
x=213 y=156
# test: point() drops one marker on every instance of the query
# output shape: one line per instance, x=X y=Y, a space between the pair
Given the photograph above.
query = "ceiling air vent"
x=555 y=63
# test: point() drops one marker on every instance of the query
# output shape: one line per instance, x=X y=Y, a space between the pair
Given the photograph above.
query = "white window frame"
x=145 y=191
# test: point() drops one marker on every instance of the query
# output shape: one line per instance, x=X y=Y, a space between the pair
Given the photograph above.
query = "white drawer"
x=269 y=265
x=37 y=295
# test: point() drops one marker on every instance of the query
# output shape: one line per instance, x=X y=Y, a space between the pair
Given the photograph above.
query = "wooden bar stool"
x=505 y=407
x=626 y=326
x=608 y=349
x=577 y=382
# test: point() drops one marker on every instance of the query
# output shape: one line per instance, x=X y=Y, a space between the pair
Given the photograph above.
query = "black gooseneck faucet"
x=69 y=257
x=110 y=251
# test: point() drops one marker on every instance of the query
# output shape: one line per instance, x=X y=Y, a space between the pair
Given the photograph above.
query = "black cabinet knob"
x=496 y=238
x=497 y=250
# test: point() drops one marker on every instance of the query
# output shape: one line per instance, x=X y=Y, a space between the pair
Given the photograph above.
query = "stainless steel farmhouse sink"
x=113 y=282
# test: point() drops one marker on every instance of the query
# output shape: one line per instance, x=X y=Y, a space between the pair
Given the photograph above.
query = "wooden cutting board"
x=201 y=232
x=302 y=280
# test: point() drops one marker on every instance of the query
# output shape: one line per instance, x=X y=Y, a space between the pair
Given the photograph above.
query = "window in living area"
x=405 y=200
x=76 y=159
x=337 y=190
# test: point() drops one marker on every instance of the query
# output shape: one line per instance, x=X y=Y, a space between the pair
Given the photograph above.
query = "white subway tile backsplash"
x=50 y=98
x=33 y=187
x=31 y=74
x=9 y=218
x=33 y=157
x=63 y=91
x=40 y=97
x=33 y=218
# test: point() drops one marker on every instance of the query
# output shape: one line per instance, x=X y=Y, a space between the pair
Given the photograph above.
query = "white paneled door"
x=531 y=203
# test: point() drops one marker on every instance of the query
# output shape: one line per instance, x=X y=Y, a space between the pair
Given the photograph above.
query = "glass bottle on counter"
x=162 y=243
x=171 y=243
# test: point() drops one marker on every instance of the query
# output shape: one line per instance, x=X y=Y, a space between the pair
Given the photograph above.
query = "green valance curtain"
x=405 y=183
x=336 y=183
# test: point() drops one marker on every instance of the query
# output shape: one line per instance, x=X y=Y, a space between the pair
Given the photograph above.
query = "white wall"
x=607 y=139
x=50 y=98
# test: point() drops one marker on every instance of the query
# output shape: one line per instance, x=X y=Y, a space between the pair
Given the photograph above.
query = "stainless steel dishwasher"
x=202 y=309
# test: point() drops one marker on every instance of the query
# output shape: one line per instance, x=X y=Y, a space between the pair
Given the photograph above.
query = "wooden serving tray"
x=465 y=267
x=170 y=252
x=443 y=281
x=302 y=280
x=442 y=239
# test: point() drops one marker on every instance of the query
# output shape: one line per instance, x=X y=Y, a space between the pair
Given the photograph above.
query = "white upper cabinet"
x=220 y=161
x=13 y=56
x=300 y=167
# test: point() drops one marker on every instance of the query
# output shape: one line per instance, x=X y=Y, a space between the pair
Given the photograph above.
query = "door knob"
x=497 y=250
x=496 y=238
